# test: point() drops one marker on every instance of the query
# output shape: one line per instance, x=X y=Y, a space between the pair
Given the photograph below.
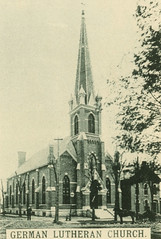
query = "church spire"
x=84 y=73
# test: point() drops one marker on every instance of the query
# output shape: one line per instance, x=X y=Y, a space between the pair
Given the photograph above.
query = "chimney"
x=21 y=158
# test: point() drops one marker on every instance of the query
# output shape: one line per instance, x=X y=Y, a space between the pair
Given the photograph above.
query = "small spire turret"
x=82 y=95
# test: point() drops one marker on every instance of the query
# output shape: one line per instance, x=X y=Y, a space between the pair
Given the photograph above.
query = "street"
x=15 y=222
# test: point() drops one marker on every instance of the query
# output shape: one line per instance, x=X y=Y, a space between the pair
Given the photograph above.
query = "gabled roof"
x=66 y=145
x=40 y=158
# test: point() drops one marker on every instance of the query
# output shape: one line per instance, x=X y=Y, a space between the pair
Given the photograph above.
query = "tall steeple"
x=85 y=107
x=85 y=125
x=84 y=81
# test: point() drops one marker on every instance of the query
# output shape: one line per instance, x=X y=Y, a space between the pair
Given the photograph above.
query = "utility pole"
x=56 y=220
x=116 y=171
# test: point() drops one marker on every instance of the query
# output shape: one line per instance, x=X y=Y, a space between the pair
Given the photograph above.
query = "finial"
x=83 y=5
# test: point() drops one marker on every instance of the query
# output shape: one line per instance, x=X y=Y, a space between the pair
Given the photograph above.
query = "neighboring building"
x=128 y=190
x=145 y=197
x=80 y=154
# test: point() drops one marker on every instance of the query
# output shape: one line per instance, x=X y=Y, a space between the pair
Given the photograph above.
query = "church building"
x=75 y=161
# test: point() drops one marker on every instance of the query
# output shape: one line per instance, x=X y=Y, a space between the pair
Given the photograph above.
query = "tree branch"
x=155 y=99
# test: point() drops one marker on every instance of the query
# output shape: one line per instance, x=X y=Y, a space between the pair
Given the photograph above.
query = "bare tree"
x=116 y=170
x=20 y=185
x=56 y=167
x=3 y=193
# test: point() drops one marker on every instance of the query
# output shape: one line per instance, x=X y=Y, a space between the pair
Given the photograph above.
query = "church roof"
x=40 y=158
x=84 y=73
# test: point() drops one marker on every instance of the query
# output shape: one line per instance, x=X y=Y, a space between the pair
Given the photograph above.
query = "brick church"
x=79 y=156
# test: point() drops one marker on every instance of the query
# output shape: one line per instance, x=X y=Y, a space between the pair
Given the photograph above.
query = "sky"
x=38 y=59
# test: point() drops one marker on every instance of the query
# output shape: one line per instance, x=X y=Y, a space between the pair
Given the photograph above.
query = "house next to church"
x=80 y=156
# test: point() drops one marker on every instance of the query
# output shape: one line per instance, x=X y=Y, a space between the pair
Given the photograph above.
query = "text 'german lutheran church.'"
x=81 y=156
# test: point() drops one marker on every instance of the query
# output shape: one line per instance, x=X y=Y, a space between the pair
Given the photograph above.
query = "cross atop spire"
x=84 y=73
x=83 y=5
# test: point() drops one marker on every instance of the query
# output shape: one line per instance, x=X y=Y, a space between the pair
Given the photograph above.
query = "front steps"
x=105 y=213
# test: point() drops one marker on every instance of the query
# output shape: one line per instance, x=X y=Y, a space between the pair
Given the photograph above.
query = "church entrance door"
x=94 y=194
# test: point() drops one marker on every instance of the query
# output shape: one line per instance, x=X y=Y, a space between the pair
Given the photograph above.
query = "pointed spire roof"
x=84 y=73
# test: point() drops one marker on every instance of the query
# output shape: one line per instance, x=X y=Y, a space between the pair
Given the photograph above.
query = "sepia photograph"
x=80 y=119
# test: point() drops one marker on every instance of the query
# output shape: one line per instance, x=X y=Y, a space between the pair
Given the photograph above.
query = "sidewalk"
x=76 y=221
x=82 y=220
x=62 y=219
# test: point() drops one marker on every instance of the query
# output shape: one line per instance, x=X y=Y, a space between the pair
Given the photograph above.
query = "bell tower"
x=85 y=106
x=85 y=124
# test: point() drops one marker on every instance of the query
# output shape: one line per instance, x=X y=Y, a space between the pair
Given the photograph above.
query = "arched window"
x=154 y=189
x=145 y=189
x=91 y=124
x=7 y=201
x=33 y=191
x=76 y=125
x=108 y=186
x=137 y=190
x=138 y=205
x=43 y=191
x=10 y=196
x=24 y=193
x=146 y=205
x=155 y=206
x=66 y=190
x=16 y=193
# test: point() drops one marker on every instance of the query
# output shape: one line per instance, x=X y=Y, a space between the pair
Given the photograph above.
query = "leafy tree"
x=138 y=96
x=147 y=69
x=148 y=58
